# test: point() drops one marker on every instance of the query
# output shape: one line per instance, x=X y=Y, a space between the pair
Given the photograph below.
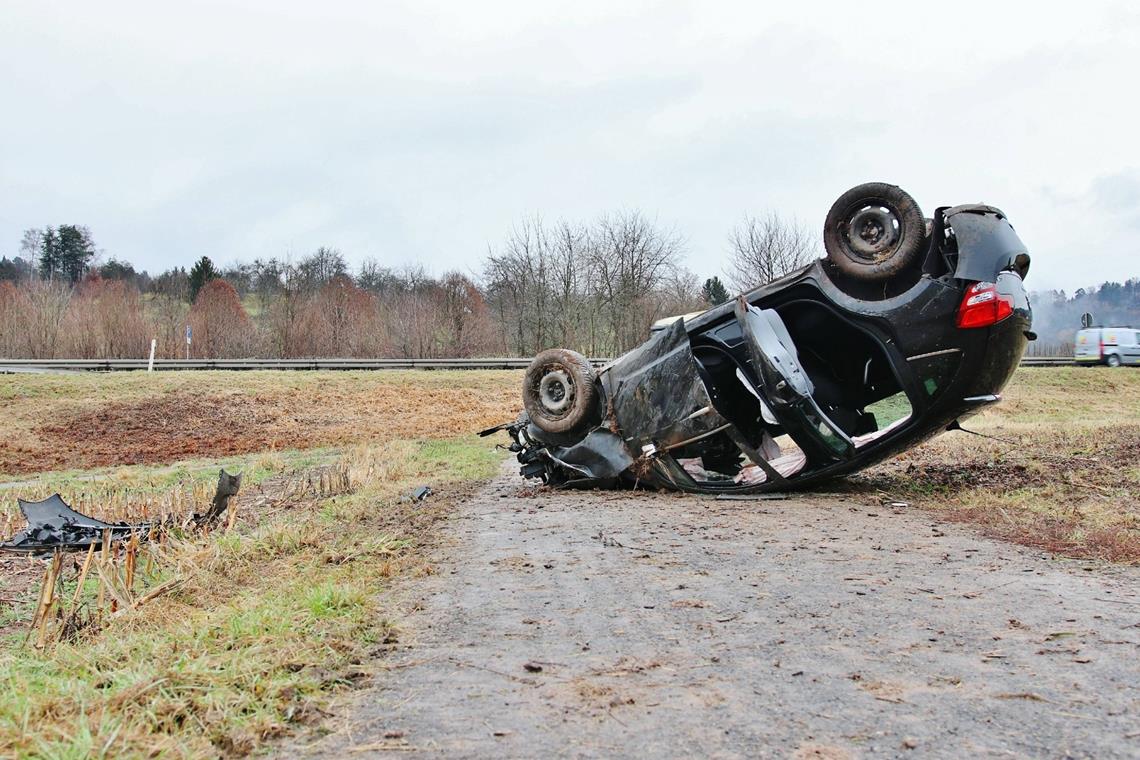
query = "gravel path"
x=604 y=624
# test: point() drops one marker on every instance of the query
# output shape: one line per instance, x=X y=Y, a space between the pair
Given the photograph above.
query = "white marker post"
x=187 y=342
x=150 y=364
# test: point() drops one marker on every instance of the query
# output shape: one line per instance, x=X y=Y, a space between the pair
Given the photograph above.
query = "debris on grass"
x=55 y=526
x=206 y=644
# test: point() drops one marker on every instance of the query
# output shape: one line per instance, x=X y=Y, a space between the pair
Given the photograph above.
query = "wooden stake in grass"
x=82 y=577
x=103 y=561
x=47 y=599
x=129 y=563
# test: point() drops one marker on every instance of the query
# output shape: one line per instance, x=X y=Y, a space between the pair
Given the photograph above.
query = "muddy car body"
x=906 y=327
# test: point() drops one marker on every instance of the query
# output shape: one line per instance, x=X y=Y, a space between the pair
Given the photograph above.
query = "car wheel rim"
x=873 y=230
x=556 y=391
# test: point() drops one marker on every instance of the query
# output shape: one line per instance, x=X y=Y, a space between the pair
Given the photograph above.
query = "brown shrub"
x=221 y=328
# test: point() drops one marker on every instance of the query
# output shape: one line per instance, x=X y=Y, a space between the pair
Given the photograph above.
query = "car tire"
x=1112 y=360
x=559 y=392
x=874 y=231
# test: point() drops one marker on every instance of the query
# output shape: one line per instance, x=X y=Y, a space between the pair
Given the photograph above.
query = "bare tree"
x=631 y=259
x=680 y=293
x=320 y=267
x=105 y=320
x=288 y=302
x=463 y=323
x=337 y=319
x=168 y=316
x=11 y=320
x=413 y=314
x=766 y=248
x=518 y=279
x=570 y=270
x=45 y=305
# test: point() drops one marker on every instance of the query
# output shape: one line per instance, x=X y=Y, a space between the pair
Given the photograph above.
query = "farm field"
x=262 y=621
x=1063 y=476
x=85 y=421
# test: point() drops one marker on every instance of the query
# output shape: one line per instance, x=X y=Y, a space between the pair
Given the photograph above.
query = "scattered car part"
x=52 y=524
x=228 y=486
x=902 y=330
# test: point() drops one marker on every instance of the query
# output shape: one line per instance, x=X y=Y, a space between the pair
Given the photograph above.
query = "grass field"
x=1064 y=476
x=80 y=422
x=264 y=620
x=259 y=622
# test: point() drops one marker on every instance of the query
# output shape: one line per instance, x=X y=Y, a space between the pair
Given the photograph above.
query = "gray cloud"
x=422 y=131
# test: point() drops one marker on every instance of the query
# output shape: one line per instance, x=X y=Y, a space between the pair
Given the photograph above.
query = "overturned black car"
x=909 y=325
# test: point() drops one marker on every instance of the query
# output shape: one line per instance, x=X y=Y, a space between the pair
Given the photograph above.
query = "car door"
x=786 y=387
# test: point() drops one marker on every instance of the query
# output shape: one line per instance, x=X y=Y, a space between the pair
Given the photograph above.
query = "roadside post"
x=188 y=334
x=150 y=362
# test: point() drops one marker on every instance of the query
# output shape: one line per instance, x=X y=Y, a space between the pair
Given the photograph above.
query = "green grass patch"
x=269 y=622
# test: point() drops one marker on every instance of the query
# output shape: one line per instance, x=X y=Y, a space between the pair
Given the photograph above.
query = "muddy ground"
x=603 y=624
x=84 y=422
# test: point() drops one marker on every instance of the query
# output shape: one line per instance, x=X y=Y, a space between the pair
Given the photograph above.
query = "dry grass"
x=1065 y=477
x=273 y=615
x=68 y=422
x=262 y=623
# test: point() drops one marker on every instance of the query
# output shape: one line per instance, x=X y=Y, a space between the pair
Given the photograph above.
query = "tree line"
x=593 y=286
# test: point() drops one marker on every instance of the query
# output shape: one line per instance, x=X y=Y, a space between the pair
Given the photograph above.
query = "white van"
x=1113 y=346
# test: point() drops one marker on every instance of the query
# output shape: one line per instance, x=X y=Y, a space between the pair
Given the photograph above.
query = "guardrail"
x=116 y=365
x=1047 y=361
x=112 y=365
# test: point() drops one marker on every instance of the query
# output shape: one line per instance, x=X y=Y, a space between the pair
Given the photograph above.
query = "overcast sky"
x=422 y=131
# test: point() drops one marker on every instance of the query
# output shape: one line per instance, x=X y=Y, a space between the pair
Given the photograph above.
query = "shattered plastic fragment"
x=52 y=524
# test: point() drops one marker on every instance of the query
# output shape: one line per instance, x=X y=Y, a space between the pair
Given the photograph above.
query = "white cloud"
x=423 y=130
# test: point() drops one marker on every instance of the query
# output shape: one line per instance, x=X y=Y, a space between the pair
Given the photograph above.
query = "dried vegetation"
x=1060 y=469
x=89 y=421
x=195 y=646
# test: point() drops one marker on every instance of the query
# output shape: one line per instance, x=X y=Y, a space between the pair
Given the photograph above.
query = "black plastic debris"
x=228 y=486
x=52 y=524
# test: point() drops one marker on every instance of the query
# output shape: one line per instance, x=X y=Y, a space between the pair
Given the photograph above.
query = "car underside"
x=906 y=327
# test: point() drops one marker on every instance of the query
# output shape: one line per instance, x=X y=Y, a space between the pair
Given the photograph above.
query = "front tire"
x=559 y=392
x=874 y=231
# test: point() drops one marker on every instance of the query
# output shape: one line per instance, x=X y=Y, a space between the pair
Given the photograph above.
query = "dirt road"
x=635 y=624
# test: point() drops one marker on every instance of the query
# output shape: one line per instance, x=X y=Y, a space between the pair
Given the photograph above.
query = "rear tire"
x=873 y=231
x=559 y=393
x=1112 y=360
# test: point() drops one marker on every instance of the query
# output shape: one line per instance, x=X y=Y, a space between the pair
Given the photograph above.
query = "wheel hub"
x=556 y=391
x=872 y=230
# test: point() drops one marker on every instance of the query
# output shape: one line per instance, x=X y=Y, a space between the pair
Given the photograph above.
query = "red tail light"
x=983 y=306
